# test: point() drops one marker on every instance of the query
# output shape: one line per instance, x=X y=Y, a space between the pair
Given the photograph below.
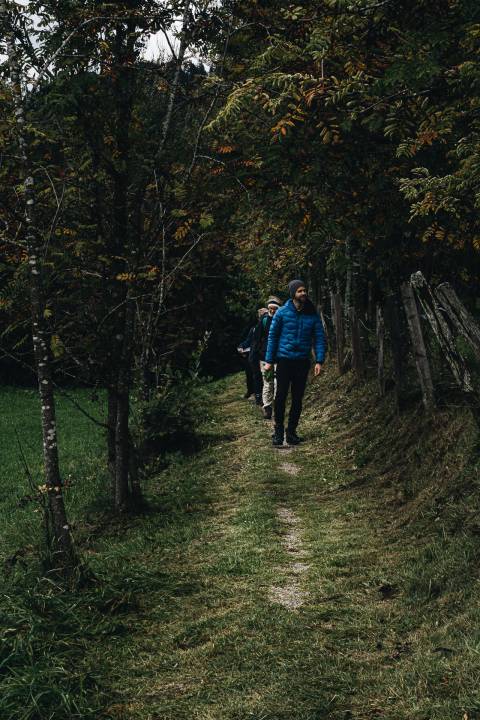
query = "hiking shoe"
x=277 y=437
x=267 y=412
x=292 y=438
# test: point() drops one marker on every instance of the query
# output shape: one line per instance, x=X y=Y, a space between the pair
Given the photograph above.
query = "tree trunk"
x=122 y=431
x=174 y=86
x=111 y=429
x=358 y=364
x=124 y=249
x=371 y=306
x=145 y=374
x=63 y=556
x=135 y=486
x=418 y=343
x=348 y=282
x=392 y=318
x=380 y=351
x=122 y=452
x=459 y=316
x=337 y=315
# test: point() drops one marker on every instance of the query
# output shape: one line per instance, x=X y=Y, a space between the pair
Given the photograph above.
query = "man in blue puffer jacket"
x=295 y=328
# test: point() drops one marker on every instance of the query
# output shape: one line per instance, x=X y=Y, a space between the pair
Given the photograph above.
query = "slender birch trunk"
x=176 y=79
x=151 y=323
x=63 y=554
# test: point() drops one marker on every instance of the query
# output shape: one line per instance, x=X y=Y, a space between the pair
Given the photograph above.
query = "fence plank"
x=418 y=343
x=442 y=332
x=462 y=320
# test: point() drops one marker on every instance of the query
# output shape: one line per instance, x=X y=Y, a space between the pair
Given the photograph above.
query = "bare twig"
x=220 y=162
x=213 y=101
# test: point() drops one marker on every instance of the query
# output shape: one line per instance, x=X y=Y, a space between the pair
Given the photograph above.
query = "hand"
x=318 y=369
x=268 y=366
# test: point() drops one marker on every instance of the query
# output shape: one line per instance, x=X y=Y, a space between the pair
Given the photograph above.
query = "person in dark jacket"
x=295 y=328
x=261 y=339
x=254 y=359
x=243 y=350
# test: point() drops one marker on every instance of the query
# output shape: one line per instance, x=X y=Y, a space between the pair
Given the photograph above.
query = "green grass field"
x=183 y=619
x=44 y=629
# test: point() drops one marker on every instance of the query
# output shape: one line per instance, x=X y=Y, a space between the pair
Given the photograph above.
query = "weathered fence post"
x=443 y=333
x=459 y=316
x=418 y=343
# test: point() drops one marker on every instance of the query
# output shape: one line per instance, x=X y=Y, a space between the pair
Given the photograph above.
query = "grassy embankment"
x=191 y=615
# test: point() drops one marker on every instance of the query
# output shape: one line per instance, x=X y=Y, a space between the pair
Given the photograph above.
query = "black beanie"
x=293 y=286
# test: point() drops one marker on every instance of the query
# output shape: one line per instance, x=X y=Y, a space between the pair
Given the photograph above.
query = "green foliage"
x=343 y=106
x=170 y=418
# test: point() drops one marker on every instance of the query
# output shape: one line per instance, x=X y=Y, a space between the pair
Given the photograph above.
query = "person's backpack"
x=264 y=325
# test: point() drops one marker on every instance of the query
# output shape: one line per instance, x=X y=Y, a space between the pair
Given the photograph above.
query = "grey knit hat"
x=293 y=286
x=274 y=300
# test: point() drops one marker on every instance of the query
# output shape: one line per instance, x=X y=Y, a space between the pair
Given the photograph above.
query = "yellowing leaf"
x=183 y=230
x=57 y=346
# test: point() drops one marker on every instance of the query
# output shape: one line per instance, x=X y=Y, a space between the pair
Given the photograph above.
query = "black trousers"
x=248 y=375
x=294 y=374
x=257 y=376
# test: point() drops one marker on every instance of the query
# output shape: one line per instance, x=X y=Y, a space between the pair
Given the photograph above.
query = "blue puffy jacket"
x=292 y=334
